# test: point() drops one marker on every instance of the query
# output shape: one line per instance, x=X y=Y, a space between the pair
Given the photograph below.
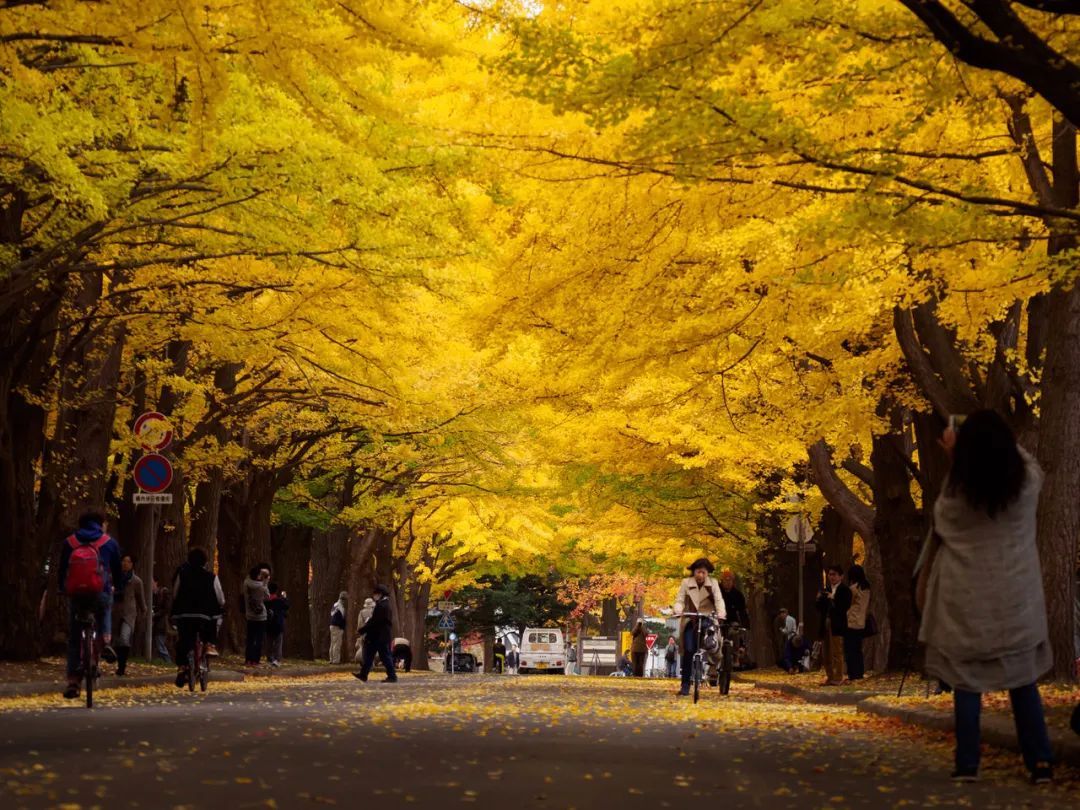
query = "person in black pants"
x=377 y=633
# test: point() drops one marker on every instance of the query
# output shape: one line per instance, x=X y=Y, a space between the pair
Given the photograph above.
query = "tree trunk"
x=328 y=550
x=243 y=541
x=360 y=575
x=1059 y=427
x=609 y=617
x=899 y=529
x=417 y=634
x=290 y=548
x=1059 y=456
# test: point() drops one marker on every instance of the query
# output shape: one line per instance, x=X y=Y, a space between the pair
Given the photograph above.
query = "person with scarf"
x=337 y=626
x=129 y=605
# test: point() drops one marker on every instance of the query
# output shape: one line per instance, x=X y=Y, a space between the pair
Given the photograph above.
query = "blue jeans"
x=102 y=607
x=672 y=666
x=384 y=652
x=161 y=650
x=1027 y=714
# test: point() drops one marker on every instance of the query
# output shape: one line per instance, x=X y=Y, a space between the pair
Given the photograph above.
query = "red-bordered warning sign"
x=153 y=431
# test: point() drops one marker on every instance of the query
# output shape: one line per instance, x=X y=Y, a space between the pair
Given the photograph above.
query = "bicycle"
x=88 y=652
x=698 y=662
x=198 y=664
x=730 y=632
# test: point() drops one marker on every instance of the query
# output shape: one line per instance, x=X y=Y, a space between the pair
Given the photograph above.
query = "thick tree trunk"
x=360 y=576
x=1059 y=425
x=899 y=529
x=243 y=541
x=609 y=617
x=291 y=553
x=206 y=513
x=328 y=552
x=417 y=625
x=1059 y=456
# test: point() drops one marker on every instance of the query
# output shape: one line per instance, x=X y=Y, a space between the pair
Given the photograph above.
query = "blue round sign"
x=153 y=473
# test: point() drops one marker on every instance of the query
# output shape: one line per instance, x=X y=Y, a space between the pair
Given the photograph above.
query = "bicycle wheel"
x=191 y=670
x=726 y=666
x=204 y=673
x=88 y=665
x=697 y=678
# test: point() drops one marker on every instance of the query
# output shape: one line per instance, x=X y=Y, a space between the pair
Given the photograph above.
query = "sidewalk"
x=152 y=675
x=935 y=713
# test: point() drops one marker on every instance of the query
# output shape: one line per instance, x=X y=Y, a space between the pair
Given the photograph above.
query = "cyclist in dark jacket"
x=197 y=607
x=377 y=633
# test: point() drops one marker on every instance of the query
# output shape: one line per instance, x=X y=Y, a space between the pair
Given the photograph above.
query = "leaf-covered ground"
x=1059 y=700
x=430 y=740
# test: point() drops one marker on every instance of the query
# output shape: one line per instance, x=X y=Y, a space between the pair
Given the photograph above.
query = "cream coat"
x=860 y=604
x=704 y=598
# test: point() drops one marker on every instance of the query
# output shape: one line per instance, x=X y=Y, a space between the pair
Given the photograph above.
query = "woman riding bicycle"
x=198 y=604
x=698 y=593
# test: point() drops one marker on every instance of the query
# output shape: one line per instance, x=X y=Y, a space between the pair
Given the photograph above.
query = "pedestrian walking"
x=784 y=630
x=856 y=623
x=980 y=582
x=337 y=626
x=833 y=603
x=639 y=648
x=277 y=607
x=498 y=652
x=159 y=604
x=377 y=633
x=671 y=657
x=256 y=593
x=129 y=606
x=513 y=659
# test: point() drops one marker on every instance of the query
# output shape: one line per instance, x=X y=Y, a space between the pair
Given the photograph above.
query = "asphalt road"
x=508 y=742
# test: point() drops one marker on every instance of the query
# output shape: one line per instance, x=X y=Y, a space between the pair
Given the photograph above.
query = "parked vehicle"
x=542 y=650
x=463 y=662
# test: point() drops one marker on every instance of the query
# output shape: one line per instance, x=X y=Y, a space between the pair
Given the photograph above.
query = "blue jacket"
x=109 y=553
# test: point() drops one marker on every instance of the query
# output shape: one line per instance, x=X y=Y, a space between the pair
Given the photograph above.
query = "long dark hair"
x=857 y=576
x=987 y=467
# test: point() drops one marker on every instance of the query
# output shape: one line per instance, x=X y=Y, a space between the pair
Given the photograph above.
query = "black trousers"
x=853 y=655
x=256 y=632
x=386 y=655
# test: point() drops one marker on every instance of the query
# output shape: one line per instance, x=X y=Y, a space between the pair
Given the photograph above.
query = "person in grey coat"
x=256 y=592
x=984 y=616
x=129 y=605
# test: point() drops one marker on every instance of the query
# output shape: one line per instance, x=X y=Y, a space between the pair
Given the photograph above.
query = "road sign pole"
x=802 y=563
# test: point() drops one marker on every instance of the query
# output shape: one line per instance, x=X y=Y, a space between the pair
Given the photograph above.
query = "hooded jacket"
x=109 y=554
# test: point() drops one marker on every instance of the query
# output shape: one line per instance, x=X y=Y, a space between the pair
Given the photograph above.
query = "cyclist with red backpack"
x=89 y=564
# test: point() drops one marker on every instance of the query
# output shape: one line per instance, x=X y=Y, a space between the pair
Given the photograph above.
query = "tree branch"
x=856 y=513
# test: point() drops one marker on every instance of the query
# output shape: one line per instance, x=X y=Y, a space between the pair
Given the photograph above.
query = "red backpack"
x=85 y=573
